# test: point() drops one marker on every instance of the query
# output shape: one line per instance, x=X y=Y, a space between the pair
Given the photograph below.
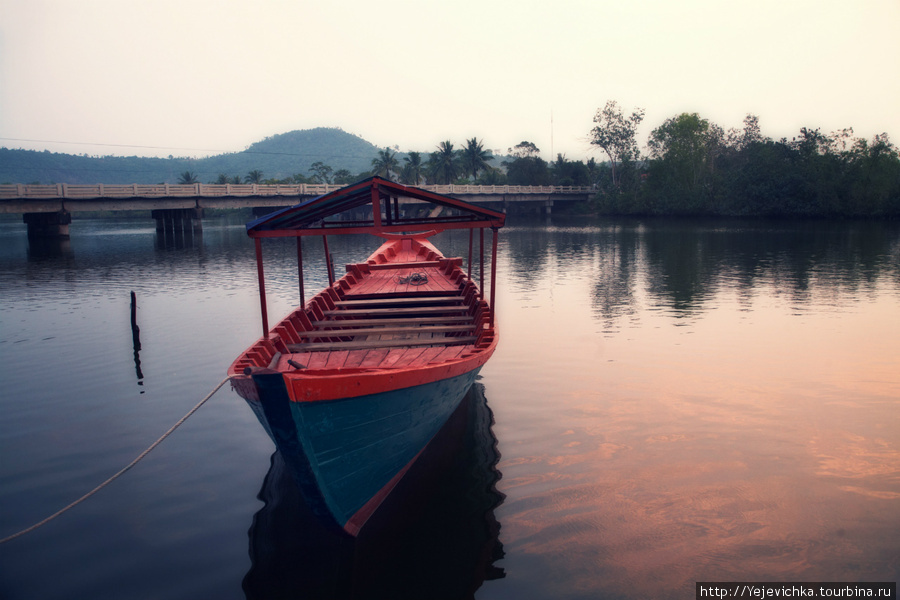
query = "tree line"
x=688 y=166
x=447 y=164
x=691 y=166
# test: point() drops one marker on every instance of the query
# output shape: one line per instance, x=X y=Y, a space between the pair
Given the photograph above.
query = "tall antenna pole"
x=551 y=136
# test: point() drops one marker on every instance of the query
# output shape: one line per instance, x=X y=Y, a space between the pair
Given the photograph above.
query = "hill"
x=278 y=156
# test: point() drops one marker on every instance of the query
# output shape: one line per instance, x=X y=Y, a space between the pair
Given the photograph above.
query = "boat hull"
x=353 y=384
x=348 y=454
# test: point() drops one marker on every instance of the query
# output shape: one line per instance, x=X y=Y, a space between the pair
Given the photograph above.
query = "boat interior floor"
x=400 y=315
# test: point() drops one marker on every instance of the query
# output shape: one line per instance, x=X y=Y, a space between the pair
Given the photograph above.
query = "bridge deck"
x=21 y=198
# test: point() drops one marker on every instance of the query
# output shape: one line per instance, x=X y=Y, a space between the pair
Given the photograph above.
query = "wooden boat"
x=353 y=384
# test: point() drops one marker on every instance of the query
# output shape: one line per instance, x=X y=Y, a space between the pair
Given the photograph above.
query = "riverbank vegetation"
x=688 y=165
x=693 y=167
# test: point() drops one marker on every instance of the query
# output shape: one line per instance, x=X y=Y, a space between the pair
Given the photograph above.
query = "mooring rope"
x=120 y=473
x=413 y=279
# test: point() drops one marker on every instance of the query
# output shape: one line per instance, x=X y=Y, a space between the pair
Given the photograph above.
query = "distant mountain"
x=278 y=157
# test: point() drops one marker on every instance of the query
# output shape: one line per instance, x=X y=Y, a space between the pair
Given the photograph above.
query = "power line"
x=110 y=145
x=298 y=154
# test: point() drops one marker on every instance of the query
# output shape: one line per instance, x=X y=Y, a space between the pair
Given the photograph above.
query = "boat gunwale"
x=375 y=378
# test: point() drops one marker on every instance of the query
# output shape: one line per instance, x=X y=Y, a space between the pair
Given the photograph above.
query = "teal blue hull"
x=347 y=455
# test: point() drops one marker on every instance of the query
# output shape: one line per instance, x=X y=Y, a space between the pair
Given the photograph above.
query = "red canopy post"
x=481 y=270
x=471 y=235
x=300 y=269
x=493 y=272
x=262 y=287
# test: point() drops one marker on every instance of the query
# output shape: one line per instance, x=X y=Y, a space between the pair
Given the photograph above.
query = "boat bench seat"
x=369 y=344
x=366 y=331
x=406 y=301
x=418 y=264
x=439 y=320
x=408 y=310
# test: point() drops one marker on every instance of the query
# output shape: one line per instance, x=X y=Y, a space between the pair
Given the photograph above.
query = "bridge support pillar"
x=178 y=219
x=53 y=225
x=177 y=226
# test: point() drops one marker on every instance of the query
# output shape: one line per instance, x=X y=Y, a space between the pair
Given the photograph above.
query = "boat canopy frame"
x=382 y=196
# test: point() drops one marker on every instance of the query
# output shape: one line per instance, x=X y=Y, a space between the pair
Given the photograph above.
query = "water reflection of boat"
x=435 y=536
x=353 y=384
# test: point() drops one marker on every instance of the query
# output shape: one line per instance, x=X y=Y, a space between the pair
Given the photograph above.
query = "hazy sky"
x=195 y=77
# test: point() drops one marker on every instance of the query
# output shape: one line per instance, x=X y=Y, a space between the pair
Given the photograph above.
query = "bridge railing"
x=162 y=190
x=165 y=190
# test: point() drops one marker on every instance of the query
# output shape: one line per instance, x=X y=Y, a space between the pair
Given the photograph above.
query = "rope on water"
x=120 y=473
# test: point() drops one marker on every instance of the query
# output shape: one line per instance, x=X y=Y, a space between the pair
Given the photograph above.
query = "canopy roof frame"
x=310 y=217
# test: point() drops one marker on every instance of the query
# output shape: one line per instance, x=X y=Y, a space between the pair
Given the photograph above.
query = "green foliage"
x=412 y=169
x=254 y=176
x=385 y=164
x=692 y=167
x=475 y=158
x=695 y=168
x=569 y=172
x=526 y=166
x=321 y=173
x=616 y=135
x=443 y=165
x=187 y=178
x=683 y=153
x=343 y=177
x=492 y=176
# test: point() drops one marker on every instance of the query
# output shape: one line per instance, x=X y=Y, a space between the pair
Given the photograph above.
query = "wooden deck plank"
x=409 y=357
x=383 y=282
x=393 y=357
x=356 y=357
x=374 y=358
x=336 y=359
x=448 y=353
x=315 y=360
x=428 y=354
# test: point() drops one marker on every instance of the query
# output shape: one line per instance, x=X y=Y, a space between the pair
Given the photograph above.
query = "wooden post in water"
x=328 y=264
x=136 y=340
x=262 y=287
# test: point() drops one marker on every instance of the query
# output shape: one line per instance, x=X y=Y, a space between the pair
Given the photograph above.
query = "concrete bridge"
x=47 y=209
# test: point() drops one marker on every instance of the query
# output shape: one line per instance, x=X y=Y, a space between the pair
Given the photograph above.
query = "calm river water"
x=671 y=402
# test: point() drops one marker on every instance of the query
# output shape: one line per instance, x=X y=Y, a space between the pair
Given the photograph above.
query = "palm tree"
x=443 y=164
x=187 y=178
x=254 y=176
x=385 y=163
x=475 y=158
x=412 y=170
